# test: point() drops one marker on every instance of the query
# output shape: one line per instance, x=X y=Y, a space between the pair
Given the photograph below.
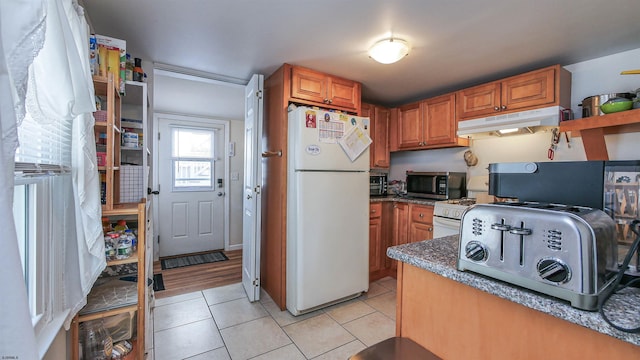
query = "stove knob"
x=475 y=251
x=554 y=270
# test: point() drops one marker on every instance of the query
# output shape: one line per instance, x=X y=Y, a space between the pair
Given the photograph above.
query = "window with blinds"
x=44 y=149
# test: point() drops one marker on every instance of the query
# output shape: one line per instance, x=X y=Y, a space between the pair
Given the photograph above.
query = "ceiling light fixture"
x=389 y=50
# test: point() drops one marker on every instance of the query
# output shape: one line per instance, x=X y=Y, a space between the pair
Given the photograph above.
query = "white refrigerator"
x=327 y=209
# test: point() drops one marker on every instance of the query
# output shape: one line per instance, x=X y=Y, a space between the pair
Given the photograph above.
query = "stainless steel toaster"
x=564 y=251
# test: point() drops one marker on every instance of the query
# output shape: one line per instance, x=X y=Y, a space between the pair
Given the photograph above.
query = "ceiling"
x=455 y=43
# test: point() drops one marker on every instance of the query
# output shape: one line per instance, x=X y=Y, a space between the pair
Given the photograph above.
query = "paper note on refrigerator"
x=354 y=142
x=329 y=130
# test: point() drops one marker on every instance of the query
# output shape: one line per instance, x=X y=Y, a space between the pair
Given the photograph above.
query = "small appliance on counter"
x=611 y=186
x=378 y=184
x=437 y=185
x=563 y=251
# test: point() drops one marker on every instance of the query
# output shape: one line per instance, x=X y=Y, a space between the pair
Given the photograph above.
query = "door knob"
x=249 y=196
x=220 y=193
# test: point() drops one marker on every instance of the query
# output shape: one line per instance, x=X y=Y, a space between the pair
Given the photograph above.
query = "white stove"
x=447 y=215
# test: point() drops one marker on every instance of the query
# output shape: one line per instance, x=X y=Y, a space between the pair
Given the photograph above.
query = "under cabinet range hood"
x=522 y=122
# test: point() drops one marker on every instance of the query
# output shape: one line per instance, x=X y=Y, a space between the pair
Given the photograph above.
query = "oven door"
x=443 y=226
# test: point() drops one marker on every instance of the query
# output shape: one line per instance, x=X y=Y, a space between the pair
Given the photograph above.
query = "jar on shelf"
x=96 y=341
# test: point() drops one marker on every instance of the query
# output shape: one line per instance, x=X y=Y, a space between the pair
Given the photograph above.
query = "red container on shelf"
x=102 y=158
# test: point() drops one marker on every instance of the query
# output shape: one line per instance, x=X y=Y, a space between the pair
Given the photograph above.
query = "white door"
x=251 y=203
x=192 y=182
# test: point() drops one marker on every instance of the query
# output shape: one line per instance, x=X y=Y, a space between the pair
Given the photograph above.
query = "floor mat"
x=158 y=282
x=176 y=262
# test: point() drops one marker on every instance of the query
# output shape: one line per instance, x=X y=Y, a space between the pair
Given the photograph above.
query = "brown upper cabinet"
x=550 y=86
x=428 y=124
x=379 y=133
x=315 y=88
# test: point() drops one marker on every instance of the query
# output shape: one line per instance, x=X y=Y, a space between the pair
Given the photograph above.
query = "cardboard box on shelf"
x=112 y=57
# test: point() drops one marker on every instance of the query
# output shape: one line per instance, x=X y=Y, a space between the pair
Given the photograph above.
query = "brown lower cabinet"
x=395 y=223
x=421 y=222
x=457 y=321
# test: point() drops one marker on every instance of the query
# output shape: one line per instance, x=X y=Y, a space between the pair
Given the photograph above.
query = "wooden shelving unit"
x=105 y=87
x=593 y=129
x=112 y=208
x=137 y=212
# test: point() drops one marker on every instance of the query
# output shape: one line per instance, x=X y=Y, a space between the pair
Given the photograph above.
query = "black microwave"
x=377 y=184
x=437 y=185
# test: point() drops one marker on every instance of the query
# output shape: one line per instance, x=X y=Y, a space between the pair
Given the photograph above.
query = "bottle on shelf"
x=121 y=226
x=132 y=237
x=138 y=74
x=106 y=225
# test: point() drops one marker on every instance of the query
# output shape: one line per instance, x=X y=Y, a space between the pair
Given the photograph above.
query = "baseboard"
x=234 y=247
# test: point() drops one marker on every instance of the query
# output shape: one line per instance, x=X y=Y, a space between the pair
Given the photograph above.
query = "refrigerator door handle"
x=267 y=154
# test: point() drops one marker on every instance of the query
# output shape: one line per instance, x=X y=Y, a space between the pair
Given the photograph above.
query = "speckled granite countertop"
x=402 y=199
x=440 y=255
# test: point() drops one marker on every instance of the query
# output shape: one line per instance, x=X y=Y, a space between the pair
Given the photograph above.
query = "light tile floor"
x=220 y=323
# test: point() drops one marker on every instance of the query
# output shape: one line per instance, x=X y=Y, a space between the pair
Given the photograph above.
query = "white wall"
x=593 y=77
x=186 y=95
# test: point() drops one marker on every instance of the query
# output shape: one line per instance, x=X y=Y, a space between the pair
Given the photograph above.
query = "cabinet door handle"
x=503 y=107
x=373 y=210
x=421 y=215
x=496 y=108
x=430 y=229
x=267 y=154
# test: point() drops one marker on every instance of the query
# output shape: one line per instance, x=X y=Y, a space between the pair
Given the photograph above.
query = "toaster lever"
x=500 y=227
x=520 y=231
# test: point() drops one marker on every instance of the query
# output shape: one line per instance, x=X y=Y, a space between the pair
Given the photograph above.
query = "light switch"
x=235 y=176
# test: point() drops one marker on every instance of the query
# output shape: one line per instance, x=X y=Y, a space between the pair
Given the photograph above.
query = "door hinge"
x=257 y=189
x=259 y=94
x=158 y=239
x=158 y=136
x=256 y=282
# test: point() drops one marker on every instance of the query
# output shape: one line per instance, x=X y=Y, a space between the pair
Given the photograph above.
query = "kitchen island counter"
x=432 y=263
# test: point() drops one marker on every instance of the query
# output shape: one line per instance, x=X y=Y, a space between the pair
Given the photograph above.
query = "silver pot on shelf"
x=591 y=105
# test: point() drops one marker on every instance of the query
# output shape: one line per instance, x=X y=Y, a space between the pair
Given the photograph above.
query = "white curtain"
x=21 y=37
x=59 y=87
